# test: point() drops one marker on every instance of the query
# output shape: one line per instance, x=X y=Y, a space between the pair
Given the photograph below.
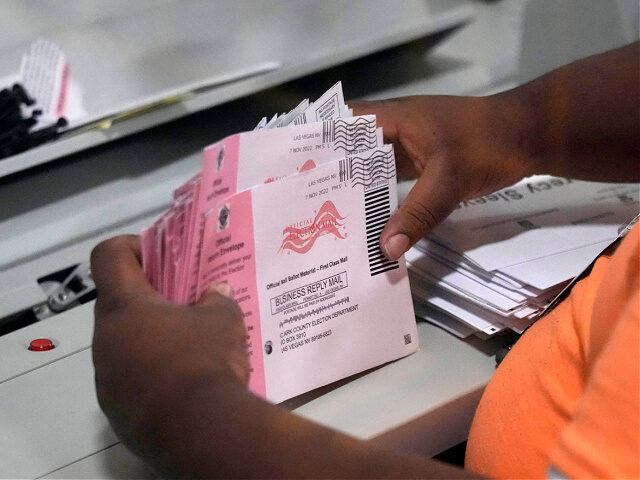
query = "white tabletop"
x=52 y=425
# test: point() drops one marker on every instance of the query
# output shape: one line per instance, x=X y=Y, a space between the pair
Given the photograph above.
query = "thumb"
x=429 y=202
x=215 y=294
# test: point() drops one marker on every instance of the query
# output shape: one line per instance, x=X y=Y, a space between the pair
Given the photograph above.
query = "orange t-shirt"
x=565 y=399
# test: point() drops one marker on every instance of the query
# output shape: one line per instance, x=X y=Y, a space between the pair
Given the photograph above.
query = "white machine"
x=234 y=60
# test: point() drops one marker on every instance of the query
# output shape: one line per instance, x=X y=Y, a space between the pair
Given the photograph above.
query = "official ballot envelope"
x=238 y=162
x=320 y=300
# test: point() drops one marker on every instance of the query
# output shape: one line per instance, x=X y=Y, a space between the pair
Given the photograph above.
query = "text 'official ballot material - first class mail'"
x=290 y=216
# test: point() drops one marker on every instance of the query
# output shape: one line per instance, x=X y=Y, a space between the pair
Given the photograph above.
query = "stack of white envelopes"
x=499 y=261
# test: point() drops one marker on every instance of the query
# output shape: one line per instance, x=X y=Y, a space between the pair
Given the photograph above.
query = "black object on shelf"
x=16 y=134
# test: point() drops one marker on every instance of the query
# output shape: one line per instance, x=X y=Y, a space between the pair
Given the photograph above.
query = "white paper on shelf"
x=46 y=75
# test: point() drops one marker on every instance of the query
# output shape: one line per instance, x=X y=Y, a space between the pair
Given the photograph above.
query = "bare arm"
x=586 y=118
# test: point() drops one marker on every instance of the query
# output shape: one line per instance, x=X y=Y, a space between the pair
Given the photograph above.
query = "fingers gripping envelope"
x=290 y=216
x=320 y=301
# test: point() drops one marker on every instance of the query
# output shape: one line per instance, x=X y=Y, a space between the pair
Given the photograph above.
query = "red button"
x=41 y=345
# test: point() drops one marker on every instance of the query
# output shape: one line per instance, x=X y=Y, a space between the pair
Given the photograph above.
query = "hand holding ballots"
x=290 y=216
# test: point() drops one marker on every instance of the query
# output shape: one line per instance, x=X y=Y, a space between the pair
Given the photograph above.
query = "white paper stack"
x=498 y=261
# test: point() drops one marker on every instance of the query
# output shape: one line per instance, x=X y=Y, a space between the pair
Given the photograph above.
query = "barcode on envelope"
x=377 y=208
x=328 y=131
x=344 y=170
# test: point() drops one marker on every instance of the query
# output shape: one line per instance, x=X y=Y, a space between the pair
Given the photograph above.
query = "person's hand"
x=145 y=347
x=172 y=381
x=458 y=148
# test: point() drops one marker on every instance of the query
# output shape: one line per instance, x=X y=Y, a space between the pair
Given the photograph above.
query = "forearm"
x=583 y=119
x=172 y=381
x=218 y=429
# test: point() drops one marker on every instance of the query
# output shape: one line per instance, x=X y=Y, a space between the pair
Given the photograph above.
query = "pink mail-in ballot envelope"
x=320 y=301
x=251 y=158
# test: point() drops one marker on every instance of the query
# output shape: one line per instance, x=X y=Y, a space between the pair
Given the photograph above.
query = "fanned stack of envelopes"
x=499 y=261
x=496 y=263
x=289 y=219
x=171 y=246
